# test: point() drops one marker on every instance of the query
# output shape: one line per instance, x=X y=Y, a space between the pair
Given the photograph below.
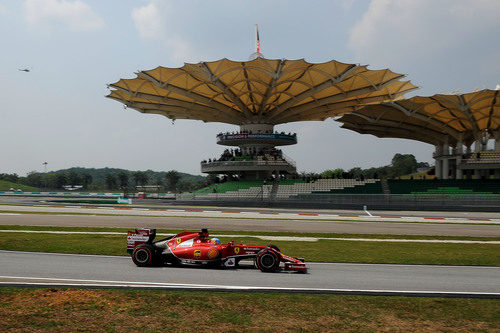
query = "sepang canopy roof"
x=258 y=91
x=435 y=119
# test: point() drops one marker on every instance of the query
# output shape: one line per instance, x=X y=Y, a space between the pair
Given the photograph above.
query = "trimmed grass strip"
x=56 y=310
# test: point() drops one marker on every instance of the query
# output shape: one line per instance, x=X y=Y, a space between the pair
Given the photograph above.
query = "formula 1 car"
x=197 y=248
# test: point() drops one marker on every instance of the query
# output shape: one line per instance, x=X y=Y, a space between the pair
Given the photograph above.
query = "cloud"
x=152 y=23
x=76 y=15
x=411 y=30
x=148 y=21
x=3 y=10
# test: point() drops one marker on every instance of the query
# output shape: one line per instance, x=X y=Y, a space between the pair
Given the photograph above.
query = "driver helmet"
x=215 y=240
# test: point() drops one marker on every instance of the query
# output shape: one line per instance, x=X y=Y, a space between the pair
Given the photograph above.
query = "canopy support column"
x=497 y=140
x=437 y=159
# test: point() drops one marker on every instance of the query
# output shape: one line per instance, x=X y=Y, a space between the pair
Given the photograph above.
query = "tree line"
x=401 y=164
x=109 y=179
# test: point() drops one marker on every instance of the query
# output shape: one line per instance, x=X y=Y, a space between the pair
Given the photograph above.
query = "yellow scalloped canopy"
x=436 y=119
x=258 y=91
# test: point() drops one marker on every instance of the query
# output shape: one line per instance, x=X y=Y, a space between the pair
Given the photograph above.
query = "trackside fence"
x=355 y=201
x=265 y=198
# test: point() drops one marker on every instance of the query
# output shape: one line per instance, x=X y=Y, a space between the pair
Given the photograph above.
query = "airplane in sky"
x=27 y=70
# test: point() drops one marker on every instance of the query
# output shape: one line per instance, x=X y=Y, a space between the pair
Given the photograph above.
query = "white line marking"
x=366 y=211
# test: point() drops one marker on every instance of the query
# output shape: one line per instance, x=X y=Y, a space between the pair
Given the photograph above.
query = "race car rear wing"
x=139 y=236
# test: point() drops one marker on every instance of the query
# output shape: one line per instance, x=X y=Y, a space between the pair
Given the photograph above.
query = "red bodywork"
x=197 y=248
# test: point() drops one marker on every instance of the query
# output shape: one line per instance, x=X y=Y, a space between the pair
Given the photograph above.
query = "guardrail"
x=248 y=163
x=354 y=201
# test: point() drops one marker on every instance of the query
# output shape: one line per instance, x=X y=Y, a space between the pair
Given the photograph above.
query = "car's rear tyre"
x=143 y=255
x=268 y=261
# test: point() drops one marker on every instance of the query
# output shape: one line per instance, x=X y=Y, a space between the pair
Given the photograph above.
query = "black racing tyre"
x=143 y=255
x=274 y=247
x=267 y=261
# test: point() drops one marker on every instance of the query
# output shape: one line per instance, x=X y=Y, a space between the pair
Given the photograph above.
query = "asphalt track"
x=44 y=269
x=139 y=203
x=235 y=224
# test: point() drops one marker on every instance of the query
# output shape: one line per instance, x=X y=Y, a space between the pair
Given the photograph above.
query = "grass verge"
x=322 y=250
x=60 y=310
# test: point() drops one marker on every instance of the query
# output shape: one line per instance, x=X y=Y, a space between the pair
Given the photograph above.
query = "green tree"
x=74 y=178
x=110 y=181
x=49 y=180
x=123 y=180
x=13 y=178
x=333 y=173
x=403 y=164
x=86 y=180
x=172 y=178
x=61 y=180
x=140 y=178
x=355 y=172
x=34 y=179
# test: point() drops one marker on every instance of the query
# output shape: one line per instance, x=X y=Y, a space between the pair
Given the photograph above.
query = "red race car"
x=197 y=248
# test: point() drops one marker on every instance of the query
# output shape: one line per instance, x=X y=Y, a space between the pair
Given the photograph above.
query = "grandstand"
x=328 y=186
x=288 y=188
x=448 y=187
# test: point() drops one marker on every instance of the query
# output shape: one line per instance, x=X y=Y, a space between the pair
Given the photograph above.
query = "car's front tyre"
x=143 y=255
x=268 y=261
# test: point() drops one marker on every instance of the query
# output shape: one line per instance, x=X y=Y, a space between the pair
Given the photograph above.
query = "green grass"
x=322 y=250
x=5 y=186
x=49 y=310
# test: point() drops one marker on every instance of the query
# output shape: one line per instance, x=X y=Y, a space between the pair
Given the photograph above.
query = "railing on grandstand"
x=250 y=163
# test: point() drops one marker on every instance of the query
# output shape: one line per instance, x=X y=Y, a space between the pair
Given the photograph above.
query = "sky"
x=57 y=112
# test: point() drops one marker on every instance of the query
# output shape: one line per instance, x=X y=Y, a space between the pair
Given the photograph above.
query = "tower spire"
x=257 y=40
x=257 y=53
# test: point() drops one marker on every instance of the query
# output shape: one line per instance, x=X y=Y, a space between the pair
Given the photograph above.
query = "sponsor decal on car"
x=236 y=250
x=197 y=254
x=251 y=248
x=230 y=262
x=178 y=240
x=170 y=244
x=213 y=253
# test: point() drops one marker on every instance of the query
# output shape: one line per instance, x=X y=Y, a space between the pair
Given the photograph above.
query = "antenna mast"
x=257 y=41
x=257 y=53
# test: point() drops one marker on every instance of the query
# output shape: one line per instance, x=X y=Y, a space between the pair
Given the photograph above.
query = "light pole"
x=44 y=183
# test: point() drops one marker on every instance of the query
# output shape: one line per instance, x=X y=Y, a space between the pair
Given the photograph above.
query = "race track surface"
x=43 y=269
x=230 y=224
